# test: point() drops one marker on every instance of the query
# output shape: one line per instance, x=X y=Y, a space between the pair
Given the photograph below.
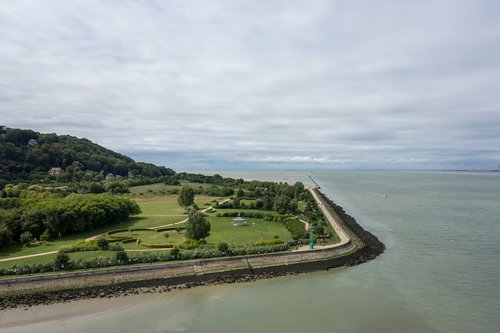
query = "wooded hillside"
x=29 y=155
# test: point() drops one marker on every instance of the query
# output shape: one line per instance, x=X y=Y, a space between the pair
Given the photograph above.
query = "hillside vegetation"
x=26 y=155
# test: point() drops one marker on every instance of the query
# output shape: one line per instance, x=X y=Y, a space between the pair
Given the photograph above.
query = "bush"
x=189 y=244
x=26 y=237
x=223 y=247
x=121 y=257
x=175 y=252
x=61 y=261
x=102 y=243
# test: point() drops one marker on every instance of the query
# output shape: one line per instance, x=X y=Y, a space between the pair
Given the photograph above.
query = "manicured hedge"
x=269 y=242
x=156 y=246
x=170 y=228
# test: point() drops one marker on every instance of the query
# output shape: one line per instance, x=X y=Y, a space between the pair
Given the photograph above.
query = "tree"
x=186 y=197
x=5 y=235
x=282 y=204
x=259 y=204
x=236 y=202
x=197 y=226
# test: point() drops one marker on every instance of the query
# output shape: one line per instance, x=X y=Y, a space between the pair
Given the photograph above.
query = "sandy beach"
x=20 y=319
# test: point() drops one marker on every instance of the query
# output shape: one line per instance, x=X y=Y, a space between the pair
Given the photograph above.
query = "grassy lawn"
x=49 y=258
x=152 y=237
x=224 y=231
x=161 y=188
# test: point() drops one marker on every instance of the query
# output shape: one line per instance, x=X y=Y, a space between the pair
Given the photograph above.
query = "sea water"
x=440 y=272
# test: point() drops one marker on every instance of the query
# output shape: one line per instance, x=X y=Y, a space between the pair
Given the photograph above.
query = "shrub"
x=121 y=257
x=26 y=237
x=102 y=243
x=115 y=247
x=189 y=244
x=223 y=247
x=62 y=260
x=177 y=228
x=175 y=252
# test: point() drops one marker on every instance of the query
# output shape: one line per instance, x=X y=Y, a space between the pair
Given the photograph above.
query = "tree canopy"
x=197 y=226
x=186 y=196
x=20 y=160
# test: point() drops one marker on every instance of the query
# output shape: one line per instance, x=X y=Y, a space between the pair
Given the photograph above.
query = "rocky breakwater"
x=371 y=246
x=33 y=298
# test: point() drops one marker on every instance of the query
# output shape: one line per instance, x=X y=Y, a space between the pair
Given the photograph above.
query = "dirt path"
x=306 y=224
x=28 y=256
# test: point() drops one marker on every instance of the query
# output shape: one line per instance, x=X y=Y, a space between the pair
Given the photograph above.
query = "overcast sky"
x=242 y=84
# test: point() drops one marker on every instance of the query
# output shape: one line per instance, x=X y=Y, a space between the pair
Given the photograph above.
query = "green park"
x=156 y=222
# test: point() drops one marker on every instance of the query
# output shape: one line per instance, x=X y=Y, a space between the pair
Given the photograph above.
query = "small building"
x=130 y=174
x=109 y=176
x=55 y=171
x=32 y=143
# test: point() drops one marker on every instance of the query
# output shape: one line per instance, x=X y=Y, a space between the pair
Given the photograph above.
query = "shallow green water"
x=440 y=272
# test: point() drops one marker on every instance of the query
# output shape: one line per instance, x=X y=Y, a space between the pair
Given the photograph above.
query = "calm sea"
x=440 y=273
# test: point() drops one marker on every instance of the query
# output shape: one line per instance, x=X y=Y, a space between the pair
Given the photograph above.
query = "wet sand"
x=11 y=319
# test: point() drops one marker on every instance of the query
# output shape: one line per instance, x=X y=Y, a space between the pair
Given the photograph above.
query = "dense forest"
x=26 y=155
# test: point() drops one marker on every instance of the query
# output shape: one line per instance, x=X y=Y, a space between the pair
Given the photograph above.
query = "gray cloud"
x=394 y=84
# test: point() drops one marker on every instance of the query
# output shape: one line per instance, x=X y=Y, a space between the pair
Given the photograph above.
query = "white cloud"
x=356 y=84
